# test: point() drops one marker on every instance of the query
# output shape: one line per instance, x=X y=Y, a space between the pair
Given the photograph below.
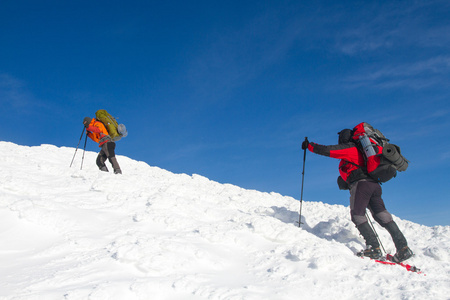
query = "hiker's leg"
x=111 y=146
x=101 y=158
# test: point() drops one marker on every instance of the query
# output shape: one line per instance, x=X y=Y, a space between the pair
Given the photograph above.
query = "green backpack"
x=116 y=131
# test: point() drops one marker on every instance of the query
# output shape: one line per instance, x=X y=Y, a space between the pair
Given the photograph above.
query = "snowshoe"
x=373 y=253
x=402 y=255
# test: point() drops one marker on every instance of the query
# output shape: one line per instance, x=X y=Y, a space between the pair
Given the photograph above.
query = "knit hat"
x=87 y=121
x=345 y=136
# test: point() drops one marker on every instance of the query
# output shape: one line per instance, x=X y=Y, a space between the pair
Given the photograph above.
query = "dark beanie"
x=87 y=121
x=345 y=136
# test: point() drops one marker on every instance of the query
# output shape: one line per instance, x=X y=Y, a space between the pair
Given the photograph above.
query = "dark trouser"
x=107 y=152
x=367 y=194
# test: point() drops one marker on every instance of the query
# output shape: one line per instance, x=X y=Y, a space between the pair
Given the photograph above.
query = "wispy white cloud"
x=13 y=93
x=392 y=25
x=446 y=155
x=363 y=37
x=233 y=58
x=431 y=72
x=401 y=45
x=381 y=35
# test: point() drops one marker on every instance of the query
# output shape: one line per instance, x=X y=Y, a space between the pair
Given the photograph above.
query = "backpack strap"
x=357 y=174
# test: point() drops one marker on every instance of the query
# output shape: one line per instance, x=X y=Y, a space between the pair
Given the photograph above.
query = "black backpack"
x=380 y=165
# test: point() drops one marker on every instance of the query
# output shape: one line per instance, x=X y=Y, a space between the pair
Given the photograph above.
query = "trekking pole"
x=303 y=180
x=376 y=234
x=77 y=148
x=84 y=150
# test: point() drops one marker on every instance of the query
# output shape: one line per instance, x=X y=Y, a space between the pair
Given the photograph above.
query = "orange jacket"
x=97 y=132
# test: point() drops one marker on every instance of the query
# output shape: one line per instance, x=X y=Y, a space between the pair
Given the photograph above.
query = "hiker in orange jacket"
x=98 y=133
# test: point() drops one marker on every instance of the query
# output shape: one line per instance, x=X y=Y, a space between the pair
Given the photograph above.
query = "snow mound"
x=150 y=234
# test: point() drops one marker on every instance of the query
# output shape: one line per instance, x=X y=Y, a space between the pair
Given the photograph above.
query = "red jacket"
x=97 y=132
x=351 y=159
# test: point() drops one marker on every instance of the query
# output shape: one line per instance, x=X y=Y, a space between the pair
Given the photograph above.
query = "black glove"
x=305 y=144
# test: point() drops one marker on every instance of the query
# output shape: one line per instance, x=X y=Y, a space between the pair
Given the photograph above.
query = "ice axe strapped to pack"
x=116 y=131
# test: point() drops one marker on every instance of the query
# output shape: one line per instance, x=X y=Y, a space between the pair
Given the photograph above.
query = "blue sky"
x=230 y=89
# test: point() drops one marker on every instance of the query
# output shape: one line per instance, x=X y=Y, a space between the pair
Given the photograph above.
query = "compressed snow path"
x=68 y=233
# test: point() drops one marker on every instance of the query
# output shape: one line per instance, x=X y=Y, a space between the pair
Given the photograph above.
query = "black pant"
x=367 y=194
x=107 y=152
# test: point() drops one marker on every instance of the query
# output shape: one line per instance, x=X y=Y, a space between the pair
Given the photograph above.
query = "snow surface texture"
x=68 y=233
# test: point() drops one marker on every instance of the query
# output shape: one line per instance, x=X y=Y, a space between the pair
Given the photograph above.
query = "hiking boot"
x=117 y=171
x=402 y=255
x=103 y=169
x=373 y=253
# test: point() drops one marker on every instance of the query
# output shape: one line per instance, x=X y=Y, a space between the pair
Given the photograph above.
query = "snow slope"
x=68 y=233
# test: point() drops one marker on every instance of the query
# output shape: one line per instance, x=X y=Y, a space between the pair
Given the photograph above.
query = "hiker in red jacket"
x=98 y=133
x=365 y=192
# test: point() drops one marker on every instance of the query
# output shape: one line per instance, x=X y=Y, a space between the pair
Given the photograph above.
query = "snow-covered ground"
x=67 y=233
